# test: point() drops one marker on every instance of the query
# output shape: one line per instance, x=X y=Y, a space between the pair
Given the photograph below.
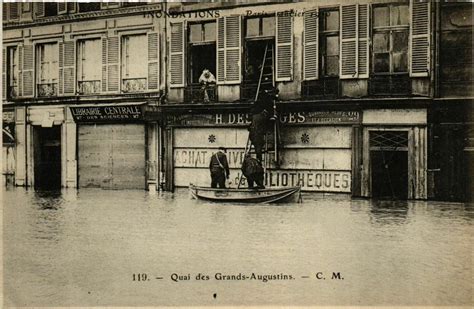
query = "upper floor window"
x=329 y=42
x=50 y=9
x=89 y=66
x=134 y=63
x=13 y=71
x=260 y=26
x=48 y=69
x=89 y=7
x=390 y=38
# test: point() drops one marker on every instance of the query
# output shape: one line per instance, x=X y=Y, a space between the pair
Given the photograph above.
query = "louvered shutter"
x=38 y=9
x=348 y=67
x=113 y=64
x=62 y=8
x=420 y=38
x=229 y=50
x=220 y=50
x=4 y=73
x=177 y=55
x=104 y=65
x=284 y=48
x=4 y=11
x=363 y=40
x=14 y=14
x=310 y=45
x=20 y=70
x=68 y=68
x=27 y=77
x=71 y=7
x=153 y=61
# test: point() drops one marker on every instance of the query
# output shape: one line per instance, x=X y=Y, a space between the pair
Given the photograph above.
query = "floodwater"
x=86 y=247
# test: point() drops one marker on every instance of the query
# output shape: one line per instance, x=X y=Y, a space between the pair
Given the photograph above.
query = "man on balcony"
x=207 y=81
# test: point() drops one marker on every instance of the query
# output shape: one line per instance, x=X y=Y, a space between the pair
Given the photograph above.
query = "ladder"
x=266 y=81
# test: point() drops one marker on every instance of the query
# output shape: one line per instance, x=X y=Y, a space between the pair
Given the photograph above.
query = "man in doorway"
x=207 y=80
x=219 y=168
x=253 y=171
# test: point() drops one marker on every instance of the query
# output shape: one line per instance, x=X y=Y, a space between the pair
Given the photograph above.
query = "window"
x=89 y=7
x=50 y=9
x=201 y=56
x=260 y=26
x=390 y=39
x=89 y=66
x=329 y=43
x=12 y=72
x=134 y=63
x=48 y=69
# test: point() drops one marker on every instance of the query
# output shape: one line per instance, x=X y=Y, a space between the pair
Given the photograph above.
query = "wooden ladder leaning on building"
x=267 y=63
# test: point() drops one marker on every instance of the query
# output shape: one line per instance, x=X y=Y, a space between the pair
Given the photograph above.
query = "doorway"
x=389 y=164
x=47 y=157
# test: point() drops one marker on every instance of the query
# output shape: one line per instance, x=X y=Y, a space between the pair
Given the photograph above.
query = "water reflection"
x=79 y=248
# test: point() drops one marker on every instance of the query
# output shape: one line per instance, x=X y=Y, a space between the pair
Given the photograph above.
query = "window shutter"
x=229 y=50
x=284 y=48
x=38 y=9
x=177 y=55
x=62 y=8
x=310 y=45
x=113 y=64
x=27 y=77
x=348 y=67
x=153 y=61
x=232 y=49
x=4 y=11
x=68 y=68
x=4 y=73
x=71 y=7
x=20 y=70
x=14 y=14
x=363 y=40
x=420 y=38
x=220 y=51
x=104 y=65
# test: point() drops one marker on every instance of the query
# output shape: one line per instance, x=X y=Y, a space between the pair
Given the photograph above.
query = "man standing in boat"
x=219 y=168
x=253 y=171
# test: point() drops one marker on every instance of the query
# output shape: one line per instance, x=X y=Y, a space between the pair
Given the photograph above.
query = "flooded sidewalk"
x=109 y=248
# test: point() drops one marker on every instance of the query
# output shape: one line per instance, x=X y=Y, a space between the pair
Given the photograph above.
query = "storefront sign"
x=243 y=119
x=107 y=114
x=310 y=180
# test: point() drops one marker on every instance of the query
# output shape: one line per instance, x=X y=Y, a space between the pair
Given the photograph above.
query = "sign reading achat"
x=121 y=113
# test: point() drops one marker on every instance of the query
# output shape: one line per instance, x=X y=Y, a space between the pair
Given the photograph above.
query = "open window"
x=13 y=72
x=259 y=55
x=390 y=37
x=201 y=57
x=89 y=7
x=47 y=69
x=134 y=63
x=89 y=66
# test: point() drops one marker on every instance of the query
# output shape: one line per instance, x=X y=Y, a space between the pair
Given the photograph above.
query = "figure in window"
x=207 y=81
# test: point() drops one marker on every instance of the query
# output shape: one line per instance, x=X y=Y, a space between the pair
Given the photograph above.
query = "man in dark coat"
x=253 y=171
x=219 y=168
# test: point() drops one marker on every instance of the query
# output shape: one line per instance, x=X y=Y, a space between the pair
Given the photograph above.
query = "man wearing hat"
x=219 y=168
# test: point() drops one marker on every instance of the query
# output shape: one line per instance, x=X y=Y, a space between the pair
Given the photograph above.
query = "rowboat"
x=270 y=195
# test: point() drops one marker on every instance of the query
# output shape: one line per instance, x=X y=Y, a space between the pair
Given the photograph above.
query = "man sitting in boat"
x=219 y=169
x=253 y=171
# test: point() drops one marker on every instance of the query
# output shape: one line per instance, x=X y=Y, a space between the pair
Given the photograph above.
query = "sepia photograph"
x=237 y=153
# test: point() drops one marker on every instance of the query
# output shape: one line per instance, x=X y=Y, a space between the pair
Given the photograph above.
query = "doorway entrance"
x=389 y=164
x=47 y=157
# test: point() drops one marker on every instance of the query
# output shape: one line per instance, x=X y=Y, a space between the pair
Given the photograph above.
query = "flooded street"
x=83 y=248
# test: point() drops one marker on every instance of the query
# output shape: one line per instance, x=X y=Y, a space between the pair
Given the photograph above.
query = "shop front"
x=111 y=146
x=314 y=149
x=8 y=146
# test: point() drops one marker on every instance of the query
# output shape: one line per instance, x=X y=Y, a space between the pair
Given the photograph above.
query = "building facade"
x=375 y=97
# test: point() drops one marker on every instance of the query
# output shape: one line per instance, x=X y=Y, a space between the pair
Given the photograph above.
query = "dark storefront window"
x=201 y=56
x=48 y=70
x=134 y=63
x=89 y=66
x=13 y=72
x=390 y=50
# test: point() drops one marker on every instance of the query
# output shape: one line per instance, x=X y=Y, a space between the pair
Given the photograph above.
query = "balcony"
x=324 y=88
x=47 y=90
x=195 y=94
x=133 y=85
x=88 y=87
x=390 y=85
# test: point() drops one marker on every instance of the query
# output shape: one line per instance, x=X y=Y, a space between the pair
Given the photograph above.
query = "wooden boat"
x=270 y=195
